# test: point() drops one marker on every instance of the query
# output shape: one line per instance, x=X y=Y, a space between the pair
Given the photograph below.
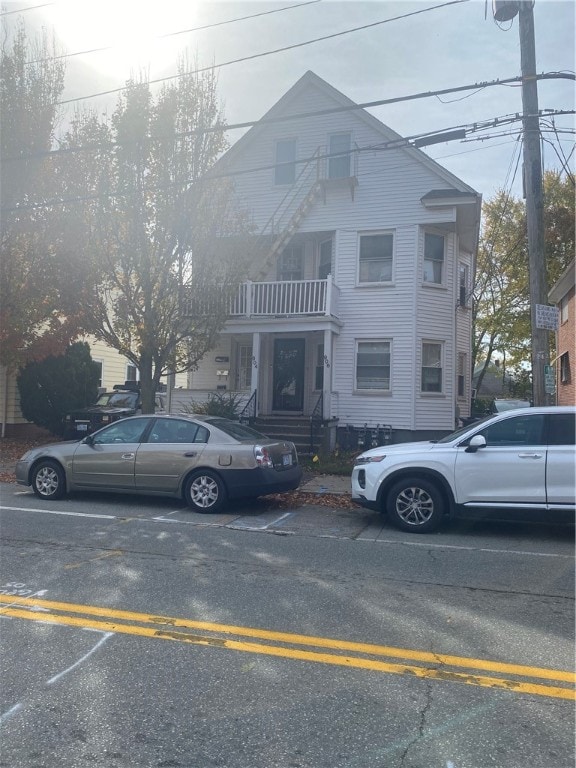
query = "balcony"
x=290 y=298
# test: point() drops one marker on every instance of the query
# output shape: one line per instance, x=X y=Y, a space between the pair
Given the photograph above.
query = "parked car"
x=520 y=460
x=123 y=401
x=204 y=460
x=501 y=405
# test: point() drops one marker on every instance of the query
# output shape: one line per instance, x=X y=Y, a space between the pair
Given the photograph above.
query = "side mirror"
x=476 y=442
x=88 y=440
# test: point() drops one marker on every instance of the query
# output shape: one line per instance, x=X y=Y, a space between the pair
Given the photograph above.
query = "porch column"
x=255 y=364
x=327 y=388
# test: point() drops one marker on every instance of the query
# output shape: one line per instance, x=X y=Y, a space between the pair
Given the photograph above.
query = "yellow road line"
x=165 y=628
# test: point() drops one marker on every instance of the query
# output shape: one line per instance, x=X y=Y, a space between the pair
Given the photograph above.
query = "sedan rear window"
x=236 y=429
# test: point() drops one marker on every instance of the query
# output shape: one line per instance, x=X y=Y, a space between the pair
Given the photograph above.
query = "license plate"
x=286 y=459
x=82 y=427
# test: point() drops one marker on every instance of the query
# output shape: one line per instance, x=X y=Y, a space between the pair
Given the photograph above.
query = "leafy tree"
x=53 y=387
x=162 y=236
x=38 y=306
x=502 y=291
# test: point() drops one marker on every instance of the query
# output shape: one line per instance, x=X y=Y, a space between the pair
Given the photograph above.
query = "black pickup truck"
x=123 y=401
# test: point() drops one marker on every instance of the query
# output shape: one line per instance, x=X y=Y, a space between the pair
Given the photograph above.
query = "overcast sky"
x=446 y=47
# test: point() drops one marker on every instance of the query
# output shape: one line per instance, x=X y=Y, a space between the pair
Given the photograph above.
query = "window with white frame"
x=100 y=364
x=373 y=365
x=291 y=263
x=339 y=155
x=463 y=284
x=564 y=309
x=375 y=258
x=431 y=366
x=461 y=374
x=132 y=373
x=433 y=258
x=285 y=170
x=325 y=259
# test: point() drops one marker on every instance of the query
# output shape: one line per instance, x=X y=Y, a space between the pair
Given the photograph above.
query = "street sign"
x=549 y=380
x=547 y=317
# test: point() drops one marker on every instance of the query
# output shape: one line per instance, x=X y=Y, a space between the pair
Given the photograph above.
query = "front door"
x=288 y=377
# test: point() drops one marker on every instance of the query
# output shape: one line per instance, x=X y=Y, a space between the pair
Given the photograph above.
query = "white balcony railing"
x=286 y=298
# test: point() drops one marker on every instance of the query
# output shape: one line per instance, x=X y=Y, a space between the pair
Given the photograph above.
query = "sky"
x=433 y=49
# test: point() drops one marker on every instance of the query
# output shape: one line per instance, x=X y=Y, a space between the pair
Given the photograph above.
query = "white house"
x=359 y=310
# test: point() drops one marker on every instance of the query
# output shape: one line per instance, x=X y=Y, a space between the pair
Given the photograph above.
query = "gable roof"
x=286 y=108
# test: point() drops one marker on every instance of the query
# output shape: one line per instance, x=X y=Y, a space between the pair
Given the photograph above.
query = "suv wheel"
x=415 y=505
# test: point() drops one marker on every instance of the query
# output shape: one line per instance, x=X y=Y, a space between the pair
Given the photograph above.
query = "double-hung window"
x=339 y=155
x=291 y=263
x=461 y=374
x=325 y=259
x=373 y=365
x=431 y=366
x=375 y=259
x=285 y=170
x=463 y=284
x=433 y=258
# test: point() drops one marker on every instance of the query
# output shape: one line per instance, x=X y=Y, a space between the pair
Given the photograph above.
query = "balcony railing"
x=286 y=298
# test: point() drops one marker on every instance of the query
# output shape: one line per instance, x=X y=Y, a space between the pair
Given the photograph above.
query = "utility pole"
x=533 y=190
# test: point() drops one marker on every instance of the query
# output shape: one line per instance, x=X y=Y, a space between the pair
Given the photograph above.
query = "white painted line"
x=11 y=711
x=58 y=512
x=249 y=527
x=77 y=663
x=405 y=543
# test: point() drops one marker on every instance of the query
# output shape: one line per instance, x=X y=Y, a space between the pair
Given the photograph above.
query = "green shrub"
x=225 y=404
x=57 y=385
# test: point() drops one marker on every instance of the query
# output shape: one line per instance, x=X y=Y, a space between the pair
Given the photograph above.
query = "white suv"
x=523 y=459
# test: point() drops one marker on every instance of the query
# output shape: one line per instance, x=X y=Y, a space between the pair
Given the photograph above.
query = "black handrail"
x=248 y=413
x=316 y=418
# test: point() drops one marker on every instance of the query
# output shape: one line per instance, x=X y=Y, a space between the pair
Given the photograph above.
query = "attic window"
x=339 y=156
x=285 y=170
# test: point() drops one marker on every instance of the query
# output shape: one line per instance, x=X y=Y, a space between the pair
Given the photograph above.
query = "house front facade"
x=358 y=310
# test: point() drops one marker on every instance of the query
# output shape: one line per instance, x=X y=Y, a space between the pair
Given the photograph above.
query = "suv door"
x=561 y=464
x=510 y=470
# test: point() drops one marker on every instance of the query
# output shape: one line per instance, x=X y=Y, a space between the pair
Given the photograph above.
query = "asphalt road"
x=136 y=633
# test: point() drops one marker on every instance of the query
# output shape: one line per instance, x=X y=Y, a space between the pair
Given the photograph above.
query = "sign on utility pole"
x=505 y=10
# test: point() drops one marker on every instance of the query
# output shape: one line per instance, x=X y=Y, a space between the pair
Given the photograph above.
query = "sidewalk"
x=337 y=484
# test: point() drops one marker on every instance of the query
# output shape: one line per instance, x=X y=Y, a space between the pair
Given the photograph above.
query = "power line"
x=399 y=143
x=23 y=10
x=269 y=53
x=317 y=113
x=173 y=34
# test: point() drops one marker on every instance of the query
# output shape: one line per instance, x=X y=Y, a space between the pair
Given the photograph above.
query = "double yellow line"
x=433 y=666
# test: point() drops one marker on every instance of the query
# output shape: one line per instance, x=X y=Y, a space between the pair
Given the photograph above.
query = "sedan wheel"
x=48 y=480
x=415 y=505
x=205 y=492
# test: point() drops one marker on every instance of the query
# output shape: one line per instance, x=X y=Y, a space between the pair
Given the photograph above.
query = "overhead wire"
x=177 y=32
x=251 y=57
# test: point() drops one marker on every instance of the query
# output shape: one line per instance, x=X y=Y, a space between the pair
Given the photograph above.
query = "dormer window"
x=285 y=170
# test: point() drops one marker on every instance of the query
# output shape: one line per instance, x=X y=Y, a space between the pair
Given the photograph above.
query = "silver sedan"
x=204 y=460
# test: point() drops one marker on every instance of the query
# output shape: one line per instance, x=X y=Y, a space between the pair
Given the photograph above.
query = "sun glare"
x=130 y=31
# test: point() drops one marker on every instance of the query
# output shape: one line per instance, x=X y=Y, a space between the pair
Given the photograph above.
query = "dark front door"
x=288 y=378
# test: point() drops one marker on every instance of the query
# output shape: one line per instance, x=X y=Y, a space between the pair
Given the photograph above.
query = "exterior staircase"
x=294 y=428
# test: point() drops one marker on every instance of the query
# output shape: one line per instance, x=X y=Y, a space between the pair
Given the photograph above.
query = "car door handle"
x=530 y=455
x=191 y=454
x=128 y=455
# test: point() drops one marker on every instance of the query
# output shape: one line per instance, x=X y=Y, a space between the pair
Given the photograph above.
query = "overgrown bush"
x=53 y=387
x=225 y=404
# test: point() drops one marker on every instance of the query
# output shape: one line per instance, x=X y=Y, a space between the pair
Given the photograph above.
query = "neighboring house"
x=114 y=369
x=495 y=381
x=359 y=307
x=563 y=295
